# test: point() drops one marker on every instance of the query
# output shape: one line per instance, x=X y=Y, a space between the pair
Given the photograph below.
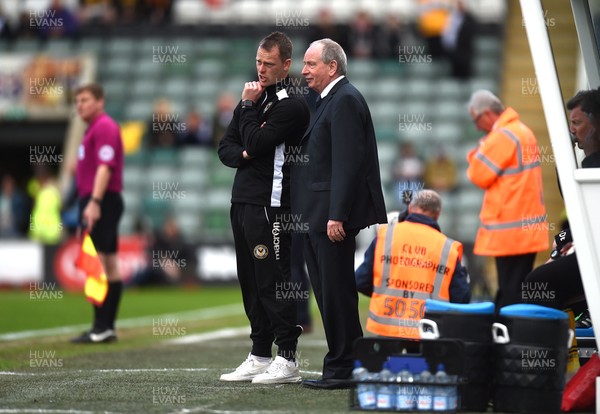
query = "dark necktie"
x=318 y=102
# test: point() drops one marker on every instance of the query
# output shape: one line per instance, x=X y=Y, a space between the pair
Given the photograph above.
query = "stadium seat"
x=132 y=199
x=197 y=158
x=168 y=157
x=209 y=68
x=121 y=47
x=216 y=199
x=190 y=225
x=188 y=201
x=134 y=177
x=138 y=110
x=60 y=47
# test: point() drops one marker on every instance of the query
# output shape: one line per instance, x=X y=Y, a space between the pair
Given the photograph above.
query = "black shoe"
x=584 y=321
x=95 y=337
x=328 y=384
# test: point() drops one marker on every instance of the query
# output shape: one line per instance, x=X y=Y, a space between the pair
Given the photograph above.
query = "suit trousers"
x=263 y=263
x=331 y=270
x=512 y=271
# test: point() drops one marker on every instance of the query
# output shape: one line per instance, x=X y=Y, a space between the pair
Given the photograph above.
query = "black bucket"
x=472 y=324
x=530 y=353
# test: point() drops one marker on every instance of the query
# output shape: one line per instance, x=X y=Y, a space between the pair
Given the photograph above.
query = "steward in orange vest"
x=513 y=217
x=408 y=263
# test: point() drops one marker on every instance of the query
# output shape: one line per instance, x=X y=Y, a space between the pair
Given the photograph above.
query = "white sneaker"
x=248 y=369
x=281 y=371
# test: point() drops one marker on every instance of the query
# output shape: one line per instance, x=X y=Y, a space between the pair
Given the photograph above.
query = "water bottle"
x=405 y=390
x=425 y=397
x=366 y=392
x=441 y=390
x=385 y=390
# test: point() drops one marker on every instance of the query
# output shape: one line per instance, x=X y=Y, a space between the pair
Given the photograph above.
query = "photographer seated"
x=413 y=262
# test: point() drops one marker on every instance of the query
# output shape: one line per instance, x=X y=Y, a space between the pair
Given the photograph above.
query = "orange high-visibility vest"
x=507 y=165
x=412 y=263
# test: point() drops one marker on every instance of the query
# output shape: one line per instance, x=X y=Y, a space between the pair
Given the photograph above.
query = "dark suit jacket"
x=340 y=180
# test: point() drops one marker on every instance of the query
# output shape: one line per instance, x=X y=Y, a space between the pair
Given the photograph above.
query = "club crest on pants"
x=261 y=251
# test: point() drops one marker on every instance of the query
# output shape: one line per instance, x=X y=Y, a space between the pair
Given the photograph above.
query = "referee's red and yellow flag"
x=96 y=284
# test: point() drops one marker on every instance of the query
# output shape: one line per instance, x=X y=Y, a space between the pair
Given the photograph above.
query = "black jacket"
x=340 y=180
x=266 y=131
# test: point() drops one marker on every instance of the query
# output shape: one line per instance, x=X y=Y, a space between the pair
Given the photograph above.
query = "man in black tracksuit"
x=266 y=124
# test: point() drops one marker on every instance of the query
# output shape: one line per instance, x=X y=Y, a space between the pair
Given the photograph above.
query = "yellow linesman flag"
x=96 y=284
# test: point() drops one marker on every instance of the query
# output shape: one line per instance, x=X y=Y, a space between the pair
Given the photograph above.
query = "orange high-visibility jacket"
x=412 y=263
x=507 y=166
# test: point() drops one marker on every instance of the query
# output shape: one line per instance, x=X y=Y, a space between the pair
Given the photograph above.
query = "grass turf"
x=145 y=372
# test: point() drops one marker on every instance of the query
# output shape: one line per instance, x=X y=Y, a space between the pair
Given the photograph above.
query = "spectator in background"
x=12 y=208
x=408 y=170
x=457 y=41
x=162 y=128
x=5 y=29
x=440 y=172
x=361 y=36
x=432 y=19
x=100 y=12
x=57 y=21
x=198 y=131
x=326 y=28
x=156 y=12
x=390 y=38
x=170 y=258
x=45 y=224
x=223 y=114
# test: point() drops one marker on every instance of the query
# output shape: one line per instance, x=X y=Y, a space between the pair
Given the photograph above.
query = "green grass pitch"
x=147 y=370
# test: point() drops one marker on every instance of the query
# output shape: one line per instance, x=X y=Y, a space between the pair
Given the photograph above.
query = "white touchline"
x=209 y=336
x=201 y=314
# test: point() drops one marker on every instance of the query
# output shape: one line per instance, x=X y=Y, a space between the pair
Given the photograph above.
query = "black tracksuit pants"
x=263 y=264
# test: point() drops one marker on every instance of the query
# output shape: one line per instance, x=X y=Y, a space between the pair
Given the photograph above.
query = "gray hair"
x=484 y=99
x=333 y=51
x=427 y=200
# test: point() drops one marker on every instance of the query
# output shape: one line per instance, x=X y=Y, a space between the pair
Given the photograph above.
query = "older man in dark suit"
x=337 y=192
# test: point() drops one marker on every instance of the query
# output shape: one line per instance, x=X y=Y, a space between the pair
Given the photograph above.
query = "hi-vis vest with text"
x=412 y=263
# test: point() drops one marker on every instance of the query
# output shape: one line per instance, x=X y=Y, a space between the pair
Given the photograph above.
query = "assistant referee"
x=99 y=186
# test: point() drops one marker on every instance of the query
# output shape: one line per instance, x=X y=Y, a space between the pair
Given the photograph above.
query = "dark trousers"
x=263 y=265
x=331 y=270
x=556 y=284
x=512 y=271
x=300 y=279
